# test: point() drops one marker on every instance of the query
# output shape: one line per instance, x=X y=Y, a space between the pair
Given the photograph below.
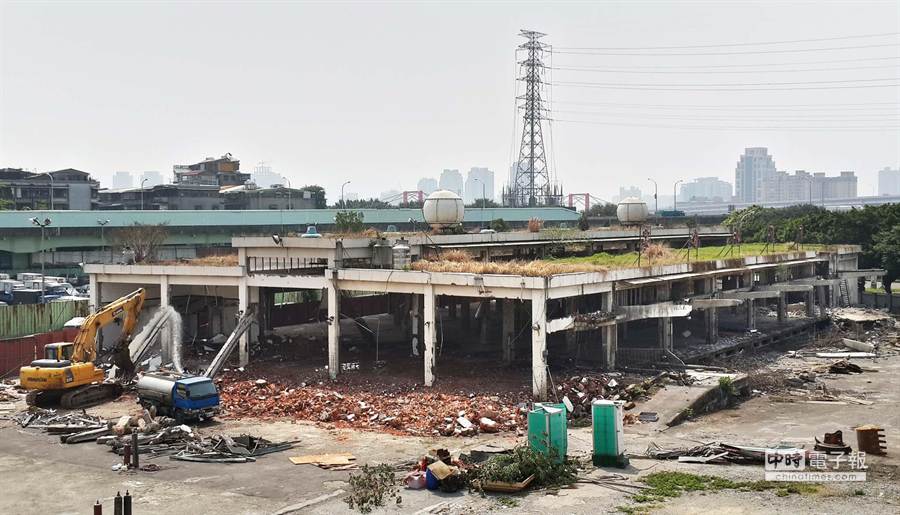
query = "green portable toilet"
x=609 y=445
x=547 y=429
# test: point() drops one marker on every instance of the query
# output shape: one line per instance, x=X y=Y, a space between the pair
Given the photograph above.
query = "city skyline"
x=317 y=121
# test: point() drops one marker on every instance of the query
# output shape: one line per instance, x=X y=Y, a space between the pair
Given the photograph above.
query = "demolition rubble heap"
x=412 y=411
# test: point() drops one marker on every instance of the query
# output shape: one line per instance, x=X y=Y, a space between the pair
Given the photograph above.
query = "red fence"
x=16 y=352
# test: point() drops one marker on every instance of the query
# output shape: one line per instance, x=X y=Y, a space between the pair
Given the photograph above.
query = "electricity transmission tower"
x=530 y=184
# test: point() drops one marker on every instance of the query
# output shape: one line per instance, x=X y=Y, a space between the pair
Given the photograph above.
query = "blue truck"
x=179 y=396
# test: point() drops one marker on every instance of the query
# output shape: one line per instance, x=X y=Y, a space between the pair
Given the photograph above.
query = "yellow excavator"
x=67 y=375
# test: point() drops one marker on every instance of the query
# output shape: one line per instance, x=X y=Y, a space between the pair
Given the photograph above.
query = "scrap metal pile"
x=155 y=436
x=710 y=453
x=399 y=410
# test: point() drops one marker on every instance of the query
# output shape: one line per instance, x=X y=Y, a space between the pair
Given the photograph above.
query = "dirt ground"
x=40 y=475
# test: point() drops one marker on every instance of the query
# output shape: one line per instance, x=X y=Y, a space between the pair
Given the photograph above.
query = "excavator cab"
x=56 y=355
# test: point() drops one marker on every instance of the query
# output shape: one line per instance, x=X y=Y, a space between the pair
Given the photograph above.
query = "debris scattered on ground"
x=71 y=427
x=710 y=453
x=372 y=488
x=844 y=367
x=832 y=443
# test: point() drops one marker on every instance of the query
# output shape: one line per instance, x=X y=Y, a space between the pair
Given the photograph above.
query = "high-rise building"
x=452 y=180
x=804 y=187
x=754 y=168
x=701 y=189
x=889 y=181
x=427 y=185
x=122 y=180
x=479 y=183
x=152 y=178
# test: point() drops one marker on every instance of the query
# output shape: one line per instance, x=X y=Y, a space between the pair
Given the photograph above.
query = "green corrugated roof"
x=83 y=219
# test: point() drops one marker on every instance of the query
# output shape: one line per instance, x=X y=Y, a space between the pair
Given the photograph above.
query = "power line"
x=815 y=40
x=801 y=107
x=726 y=127
x=722 y=84
x=682 y=72
x=818 y=118
x=665 y=88
x=758 y=65
x=746 y=52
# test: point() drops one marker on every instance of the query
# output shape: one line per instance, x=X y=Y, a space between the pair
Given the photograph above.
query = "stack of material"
x=710 y=453
x=183 y=444
x=399 y=410
x=71 y=427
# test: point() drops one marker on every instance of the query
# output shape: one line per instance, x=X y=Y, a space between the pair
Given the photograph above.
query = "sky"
x=382 y=94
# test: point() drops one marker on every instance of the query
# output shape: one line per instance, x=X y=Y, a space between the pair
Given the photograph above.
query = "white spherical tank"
x=443 y=209
x=632 y=210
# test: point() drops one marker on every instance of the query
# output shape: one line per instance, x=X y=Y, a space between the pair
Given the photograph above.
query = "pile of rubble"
x=401 y=410
x=577 y=392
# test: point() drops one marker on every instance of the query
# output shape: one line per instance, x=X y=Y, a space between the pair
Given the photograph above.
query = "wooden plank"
x=340 y=458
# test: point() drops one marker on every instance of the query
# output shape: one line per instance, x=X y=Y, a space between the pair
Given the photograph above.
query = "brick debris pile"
x=397 y=409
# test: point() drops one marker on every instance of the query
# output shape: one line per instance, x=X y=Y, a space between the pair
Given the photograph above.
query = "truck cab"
x=178 y=396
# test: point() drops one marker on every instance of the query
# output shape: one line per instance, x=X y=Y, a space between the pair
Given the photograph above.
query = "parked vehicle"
x=179 y=396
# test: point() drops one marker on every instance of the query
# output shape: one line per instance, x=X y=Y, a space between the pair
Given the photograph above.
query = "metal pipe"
x=135 y=459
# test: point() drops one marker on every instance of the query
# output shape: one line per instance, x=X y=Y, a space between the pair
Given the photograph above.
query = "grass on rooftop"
x=460 y=261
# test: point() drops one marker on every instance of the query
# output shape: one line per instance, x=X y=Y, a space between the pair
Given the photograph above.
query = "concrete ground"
x=39 y=475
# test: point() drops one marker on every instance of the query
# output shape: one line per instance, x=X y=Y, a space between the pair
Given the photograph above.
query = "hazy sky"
x=382 y=94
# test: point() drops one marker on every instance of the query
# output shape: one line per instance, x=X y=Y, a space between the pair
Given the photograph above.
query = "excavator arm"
x=125 y=309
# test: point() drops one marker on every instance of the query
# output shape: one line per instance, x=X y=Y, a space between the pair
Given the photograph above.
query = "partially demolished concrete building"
x=628 y=316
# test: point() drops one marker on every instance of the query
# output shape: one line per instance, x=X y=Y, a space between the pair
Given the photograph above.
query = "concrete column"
x=539 y=344
x=466 y=315
x=820 y=294
x=665 y=333
x=94 y=293
x=571 y=335
x=333 y=293
x=810 y=304
x=430 y=334
x=751 y=314
x=164 y=291
x=610 y=347
x=484 y=310
x=610 y=337
x=509 y=329
x=712 y=325
x=782 y=308
x=243 y=304
x=834 y=293
x=414 y=322
x=853 y=291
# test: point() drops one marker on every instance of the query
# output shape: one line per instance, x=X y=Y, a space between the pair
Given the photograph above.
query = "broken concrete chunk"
x=464 y=422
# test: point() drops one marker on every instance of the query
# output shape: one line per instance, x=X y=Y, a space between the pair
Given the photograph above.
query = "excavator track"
x=43 y=398
x=89 y=395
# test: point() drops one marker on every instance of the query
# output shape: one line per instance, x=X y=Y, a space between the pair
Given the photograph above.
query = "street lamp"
x=142 y=191
x=42 y=225
x=102 y=224
x=675 y=195
x=342 y=193
x=655 y=196
x=483 y=199
x=289 y=192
